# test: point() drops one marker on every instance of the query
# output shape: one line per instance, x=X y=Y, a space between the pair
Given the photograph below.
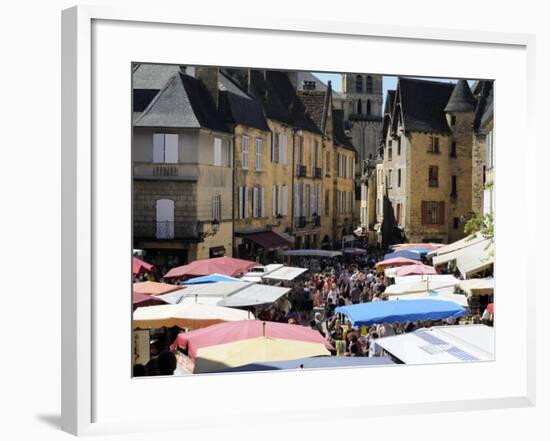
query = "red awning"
x=268 y=240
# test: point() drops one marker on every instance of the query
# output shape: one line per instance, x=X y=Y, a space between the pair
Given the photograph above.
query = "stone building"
x=182 y=166
x=428 y=159
x=483 y=157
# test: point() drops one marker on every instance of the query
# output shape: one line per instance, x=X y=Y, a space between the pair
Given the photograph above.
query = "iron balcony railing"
x=166 y=230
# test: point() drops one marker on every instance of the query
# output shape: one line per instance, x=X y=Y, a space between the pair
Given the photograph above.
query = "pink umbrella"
x=396 y=261
x=139 y=265
x=242 y=330
x=139 y=299
x=417 y=269
x=228 y=266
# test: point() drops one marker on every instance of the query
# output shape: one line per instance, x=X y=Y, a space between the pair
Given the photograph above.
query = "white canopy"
x=442 y=344
x=455 y=246
x=479 y=287
x=475 y=258
x=431 y=277
x=285 y=273
x=274 y=272
x=312 y=253
x=419 y=286
x=439 y=294
x=254 y=295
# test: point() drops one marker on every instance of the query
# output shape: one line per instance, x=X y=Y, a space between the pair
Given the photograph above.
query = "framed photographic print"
x=252 y=207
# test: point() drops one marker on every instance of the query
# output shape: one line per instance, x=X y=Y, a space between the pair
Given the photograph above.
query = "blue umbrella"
x=212 y=278
x=400 y=311
x=404 y=253
x=312 y=362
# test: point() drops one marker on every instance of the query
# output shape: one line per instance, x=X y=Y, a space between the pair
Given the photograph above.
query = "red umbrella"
x=139 y=299
x=417 y=269
x=228 y=266
x=491 y=308
x=243 y=330
x=139 y=265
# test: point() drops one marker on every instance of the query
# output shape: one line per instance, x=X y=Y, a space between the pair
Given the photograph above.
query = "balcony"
x=179 y=171
x=316 y=220
x=166 y=230
x=317 y=172
x=301 y=171
x=300 y=222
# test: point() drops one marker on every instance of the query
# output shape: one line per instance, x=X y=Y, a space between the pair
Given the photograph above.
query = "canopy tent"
x=475 y=258
x=442 y=344
x=139 y=266
x=413 y=270
x=191 y=316
x=450 y=252
x=355 y=251
x=228 y=266
x=477 y=287
x=242 y=330
x=419 y=286
x=141 y=300
x=268 y=240
x=312 y=253
x=212 y=278
x=401 y=311
x=254 y=350
x=235 y=294
x=395 y=261
x=286 y=273
x=439 y=294
x=449 y=278
x=407 y=254
x=404 y=246
x=313 y=363
x=491 y=308
x=154 y=288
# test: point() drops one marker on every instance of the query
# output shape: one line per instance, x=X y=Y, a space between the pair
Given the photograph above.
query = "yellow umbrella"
x=194 y=315
x=254 y=350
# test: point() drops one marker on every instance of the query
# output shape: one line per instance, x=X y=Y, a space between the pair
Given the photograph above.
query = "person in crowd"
x=374 y=349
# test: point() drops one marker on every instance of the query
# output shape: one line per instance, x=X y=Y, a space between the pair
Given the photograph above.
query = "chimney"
x=209 y=77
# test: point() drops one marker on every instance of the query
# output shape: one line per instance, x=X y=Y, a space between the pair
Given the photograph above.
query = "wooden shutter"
x=424 y=212
x=245 y=150
x=158 y=147
x=283 y=153
x=274 y=200
x=240 y=203
x=262 y=202
x=217 y=151
x=441 y=212
x=170 y=148
x=285 y=201
x=246 y=202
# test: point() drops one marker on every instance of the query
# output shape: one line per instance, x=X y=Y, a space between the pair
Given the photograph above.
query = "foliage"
x=481 y=223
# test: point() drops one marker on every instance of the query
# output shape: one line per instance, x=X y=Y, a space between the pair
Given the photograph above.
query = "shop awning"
x=286 y=273
x=268 y=240
x=477 y=287
x=475 y=258
x=253 y=295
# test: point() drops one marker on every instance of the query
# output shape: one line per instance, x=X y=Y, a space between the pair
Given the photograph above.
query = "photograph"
x=286 y=220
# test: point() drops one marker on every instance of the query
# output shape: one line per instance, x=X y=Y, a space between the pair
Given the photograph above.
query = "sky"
x=388 y=82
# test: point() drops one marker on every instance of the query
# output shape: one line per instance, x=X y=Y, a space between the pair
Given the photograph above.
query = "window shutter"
x=240 y=198
x=296 y=201
x=424 y=212
x=276 y=148
x=285 y=201
x=171 y=148
x=313 y=199
x=158 y=147
x=262 y=202
x=274 y=201
x=217 y=151
x=442 y=212
x=244 y=164
x=246 y=202
x=319 y=198
x=283 y=149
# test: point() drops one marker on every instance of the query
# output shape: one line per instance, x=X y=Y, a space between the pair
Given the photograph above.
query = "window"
x=275 y=192
x=300 y=157
x=217 y=207
x=359 y=84
x=455 y=223
x=217 y=151
x=370 y=87
x=398 y=146
x=453 y=187
x=377 y=207
x=284 y=202
x=490 y=150
x=275 y=148
x=390 y=152
x=327 y=202
x=165 y=148
x=259 y=153
x=283 y=149
x=453 y=149
x=327 y=164
x=368 y=107
x=258 y=202
x=165 y=209
x=309 y=85
x=433 y=176
x=453 y=120
x=389 y=178
x=433 y=213
x=243 y=202
x=398 y=213
x=359 y=107
x=433 y=146
x=399 y=177
x=315 y=153
x=244 y=159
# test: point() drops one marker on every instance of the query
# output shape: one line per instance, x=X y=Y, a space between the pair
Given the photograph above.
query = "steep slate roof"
x=390 y=99
x=319 y=85
x=279 y=99
x=237 y=107
x=184 y=102
x=152 y=76
x=461 y=99
x=422 y=103
x=316 y=106
x=484 y=109
x=338 y=132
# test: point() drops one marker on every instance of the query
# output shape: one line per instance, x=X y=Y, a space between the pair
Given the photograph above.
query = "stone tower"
x=363 y=113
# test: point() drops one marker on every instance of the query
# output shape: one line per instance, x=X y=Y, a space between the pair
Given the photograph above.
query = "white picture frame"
x=97 y=391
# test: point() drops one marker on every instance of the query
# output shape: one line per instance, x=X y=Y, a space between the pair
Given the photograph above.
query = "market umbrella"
x=139 y=266
x=491 y=308
x=227 y=266
x=416 y=269
x=154 y=288
x=400 y=311
x=407 y=254
x=430 y=246
x=140 y=300
x=254 y=350
x=397 y=261
x=194 y=315
x=242 y=330
x=419 y=286
x=212 y=278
